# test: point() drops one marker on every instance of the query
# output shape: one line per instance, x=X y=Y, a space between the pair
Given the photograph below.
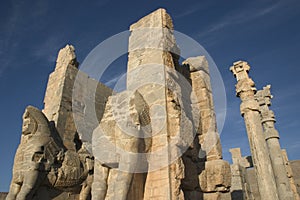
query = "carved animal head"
x=34 y=121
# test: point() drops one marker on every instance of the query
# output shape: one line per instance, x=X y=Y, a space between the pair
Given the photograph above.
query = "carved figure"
x=41 y=159
x=114 y=168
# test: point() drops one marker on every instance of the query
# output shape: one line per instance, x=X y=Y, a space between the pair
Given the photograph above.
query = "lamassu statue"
x=41 y=159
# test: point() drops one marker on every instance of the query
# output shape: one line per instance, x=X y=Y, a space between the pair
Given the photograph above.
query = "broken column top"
x=198 y=63
x=66 y=56
x=157 y=19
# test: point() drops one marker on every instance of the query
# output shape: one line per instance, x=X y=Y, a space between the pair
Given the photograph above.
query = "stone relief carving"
x=115 y=168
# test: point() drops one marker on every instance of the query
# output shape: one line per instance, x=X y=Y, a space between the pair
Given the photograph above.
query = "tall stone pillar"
x=263 y=97
x=73 y=97
x=215 y=178
x=207 y=130
x=152 y=54
x=58 y=97
x=250 y=111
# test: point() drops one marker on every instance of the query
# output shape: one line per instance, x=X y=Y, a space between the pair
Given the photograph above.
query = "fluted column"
x=263 y=97
x=250 y=111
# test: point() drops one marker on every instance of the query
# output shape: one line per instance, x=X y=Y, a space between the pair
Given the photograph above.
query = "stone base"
x=216 y=177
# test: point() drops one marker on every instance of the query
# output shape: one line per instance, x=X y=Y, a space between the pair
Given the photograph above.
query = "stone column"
x=263 y=97
x=250 y=111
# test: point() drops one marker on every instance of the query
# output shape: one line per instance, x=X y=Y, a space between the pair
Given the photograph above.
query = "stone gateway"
x=148 y=142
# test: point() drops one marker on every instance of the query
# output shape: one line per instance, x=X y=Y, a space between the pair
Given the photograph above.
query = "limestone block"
x=216 y=177
x=159 y=18
x=152 y=38
x=200 y=79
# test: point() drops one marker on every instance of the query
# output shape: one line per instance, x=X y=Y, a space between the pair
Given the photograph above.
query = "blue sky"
x=263 y=32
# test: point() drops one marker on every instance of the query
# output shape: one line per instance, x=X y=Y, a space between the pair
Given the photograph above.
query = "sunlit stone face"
x=28 y=124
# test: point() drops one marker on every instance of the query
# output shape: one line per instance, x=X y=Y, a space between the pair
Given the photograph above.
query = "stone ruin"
x=274 y=177
x=147 y=142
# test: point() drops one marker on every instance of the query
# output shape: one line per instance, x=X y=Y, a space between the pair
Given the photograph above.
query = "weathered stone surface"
x=207 y=128
x=88 y=104
x=154 y=55
x=58 y=97
x=157 y=19
x=209 y=149
x=116 y=143
x=216 y=176
x=73 y=101
x=151 y=49
x=198 y=63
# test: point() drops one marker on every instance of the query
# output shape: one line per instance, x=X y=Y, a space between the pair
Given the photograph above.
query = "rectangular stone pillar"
x=207 y=129
x=151 y=44
x=58 y=97
x=89 y=98
x=215 y=178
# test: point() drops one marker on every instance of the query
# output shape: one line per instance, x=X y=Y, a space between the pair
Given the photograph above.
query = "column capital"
x=264 y=96
x=240 y=70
